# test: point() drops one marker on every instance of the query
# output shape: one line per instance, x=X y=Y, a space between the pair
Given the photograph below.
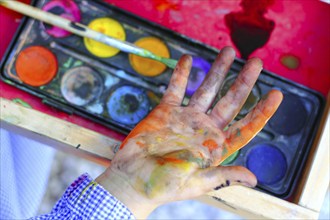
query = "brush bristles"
x=169 y=62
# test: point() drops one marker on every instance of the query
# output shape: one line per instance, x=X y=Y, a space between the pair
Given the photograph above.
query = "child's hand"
x=175 y=152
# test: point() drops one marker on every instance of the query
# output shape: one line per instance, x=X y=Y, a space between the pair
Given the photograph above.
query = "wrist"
x=117 y=186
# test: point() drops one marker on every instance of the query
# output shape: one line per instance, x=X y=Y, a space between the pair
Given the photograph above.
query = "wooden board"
x=57 y=133
x=253 y=204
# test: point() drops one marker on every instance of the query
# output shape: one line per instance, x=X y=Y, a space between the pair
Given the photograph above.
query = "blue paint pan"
x=290 y=117
x=128 y=104
x=267 y=162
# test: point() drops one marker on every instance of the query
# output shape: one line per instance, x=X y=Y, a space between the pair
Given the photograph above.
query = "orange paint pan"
x=36 y=65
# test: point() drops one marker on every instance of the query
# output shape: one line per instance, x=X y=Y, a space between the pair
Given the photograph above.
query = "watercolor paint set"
x=81 y=76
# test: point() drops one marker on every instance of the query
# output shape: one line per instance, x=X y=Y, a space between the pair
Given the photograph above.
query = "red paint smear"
x=164 y=5
x=249 y=29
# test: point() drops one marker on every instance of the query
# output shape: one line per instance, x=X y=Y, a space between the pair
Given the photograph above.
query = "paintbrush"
x=83 y=31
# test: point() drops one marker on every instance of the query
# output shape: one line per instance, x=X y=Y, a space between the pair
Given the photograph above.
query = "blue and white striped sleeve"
x=86 y=199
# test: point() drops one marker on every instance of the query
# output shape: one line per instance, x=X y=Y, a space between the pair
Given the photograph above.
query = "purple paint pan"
x=64 y=8
x=290 y=117
x=200 y=67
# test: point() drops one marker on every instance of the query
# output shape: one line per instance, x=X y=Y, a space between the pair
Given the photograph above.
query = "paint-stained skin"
x=177 y=150
x=227 y=183
x=210 y=86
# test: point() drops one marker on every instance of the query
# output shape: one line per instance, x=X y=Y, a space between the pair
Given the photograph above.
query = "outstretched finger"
x=242 y=131
x=229 y=105
x=205 y=94
x=177 y=87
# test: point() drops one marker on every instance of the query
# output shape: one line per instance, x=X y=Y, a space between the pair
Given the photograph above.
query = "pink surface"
x=301 y=31
x=296 y=37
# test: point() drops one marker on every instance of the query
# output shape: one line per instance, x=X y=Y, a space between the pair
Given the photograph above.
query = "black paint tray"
x=276 y=155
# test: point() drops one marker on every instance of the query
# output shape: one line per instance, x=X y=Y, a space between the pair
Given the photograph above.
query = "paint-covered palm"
x=175 y=152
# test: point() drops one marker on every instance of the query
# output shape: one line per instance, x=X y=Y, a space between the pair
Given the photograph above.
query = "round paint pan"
x=200 y=67
x=290 y=117
x=64 y=8
x=109 y=27
x=145 y=66
x=128 y=104
x=81 y=85
x=267 y=162
x=36 y=65
x=230 y=159
x=250 y=102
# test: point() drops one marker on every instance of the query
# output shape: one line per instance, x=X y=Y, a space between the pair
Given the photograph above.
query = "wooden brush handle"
x=74 y=27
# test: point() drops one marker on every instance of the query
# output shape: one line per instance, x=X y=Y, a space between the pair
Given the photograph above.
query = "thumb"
x=215 y=178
